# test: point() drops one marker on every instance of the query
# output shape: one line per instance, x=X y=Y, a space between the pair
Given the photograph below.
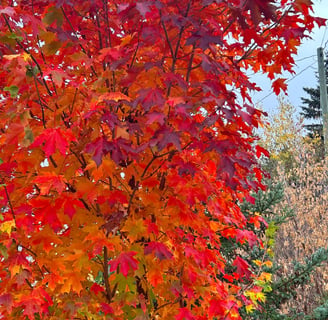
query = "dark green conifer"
x=311 y=109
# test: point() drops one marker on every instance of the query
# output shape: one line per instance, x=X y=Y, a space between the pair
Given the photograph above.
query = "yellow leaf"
x=26 y=57
x=260 y=296
x=7 y=226
x=257 y=262
x=265 y=276
x=270 y=252
x=135 y=228
x=234 y=314
x=268 y=263
x=250 y=308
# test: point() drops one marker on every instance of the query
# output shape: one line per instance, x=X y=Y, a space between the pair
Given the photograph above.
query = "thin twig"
x=9 y=202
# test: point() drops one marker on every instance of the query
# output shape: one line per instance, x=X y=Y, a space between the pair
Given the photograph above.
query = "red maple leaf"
x=52 y=139
x=259 y=7
x=50 y=180
x=159 y=249
x=155 y=117
x=279 y=85
x=144 y=7
x=149 y=98
x=125 y=261
x=100 y=147
x=96 y=288
x=6 y=300
x=217 y=308
x=243 y=268
x=106 y=308
x=260 y=151
x=184 y=314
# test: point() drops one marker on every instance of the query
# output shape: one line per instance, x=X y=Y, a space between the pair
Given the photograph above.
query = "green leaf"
x=129 y=312
x=30 y=72
x=272 y=228
x=13 y=90
x=123 y=281
x=100 y=278
x=15 y=37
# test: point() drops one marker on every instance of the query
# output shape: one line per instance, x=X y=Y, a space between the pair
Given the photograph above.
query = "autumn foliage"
x=126 y=145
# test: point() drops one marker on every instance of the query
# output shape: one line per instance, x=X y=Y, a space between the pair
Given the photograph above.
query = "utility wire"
x=288 y=80
x=310 y=66
x=325 y=44
x=308 y=57
x=297 y=74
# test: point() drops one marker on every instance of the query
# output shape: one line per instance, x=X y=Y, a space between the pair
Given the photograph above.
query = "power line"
x=298 y=60
x=296 y=75
x=325 y=44
x=308 y=57
x=288 y=80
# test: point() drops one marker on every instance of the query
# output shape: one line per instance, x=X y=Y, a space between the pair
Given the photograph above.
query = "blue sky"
x=306 y=67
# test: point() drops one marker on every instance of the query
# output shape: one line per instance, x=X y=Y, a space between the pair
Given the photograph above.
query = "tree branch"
x=109 y=293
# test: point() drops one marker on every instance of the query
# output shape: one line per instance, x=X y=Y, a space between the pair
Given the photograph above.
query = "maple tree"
x=126 y=148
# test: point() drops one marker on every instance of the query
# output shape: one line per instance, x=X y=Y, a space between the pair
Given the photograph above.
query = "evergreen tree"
x=311 y=109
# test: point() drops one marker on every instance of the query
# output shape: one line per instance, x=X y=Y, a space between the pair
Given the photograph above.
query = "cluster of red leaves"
x=126 y=144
